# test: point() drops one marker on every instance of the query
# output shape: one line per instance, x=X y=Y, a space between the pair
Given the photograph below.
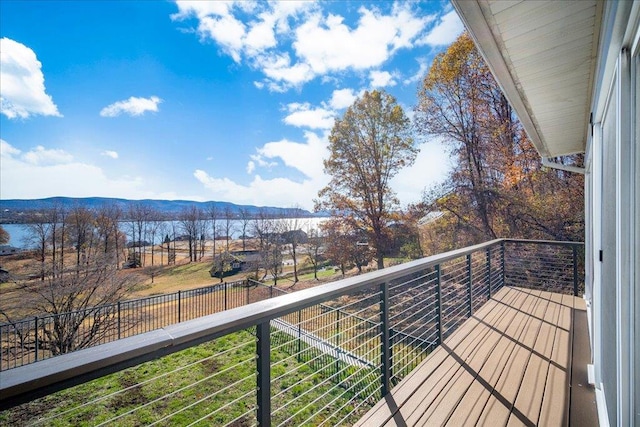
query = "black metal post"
x=299 y=335
x=469 y=282
x=270 y=291
x=502 y=263
x=37 y=339
x=438 y=304
x=225 y=295
x=575 y=271
x=119 y=333
x=385 y=356
x=263 y=349
x=489 y=269
x=179 y=308
x=337 y=363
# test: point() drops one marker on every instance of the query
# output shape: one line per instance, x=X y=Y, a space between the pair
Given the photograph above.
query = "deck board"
x=509 y=364
x=426 y=374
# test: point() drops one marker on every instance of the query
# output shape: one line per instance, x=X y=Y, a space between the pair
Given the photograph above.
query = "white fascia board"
x=472 y=15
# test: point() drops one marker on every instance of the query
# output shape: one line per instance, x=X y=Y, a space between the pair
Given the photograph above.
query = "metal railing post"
x=469 y=282
x=299 y=335
x=225 y=295
x=438 y=304
x=385 y=356
x=179 y=307
x=502 y=264
x=119 y=333
x=337 y=361
x=489 y=269
x=37 y=343
x=575 y=270
x=263 y=350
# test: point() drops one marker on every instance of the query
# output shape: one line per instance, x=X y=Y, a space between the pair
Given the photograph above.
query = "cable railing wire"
x=311 y=379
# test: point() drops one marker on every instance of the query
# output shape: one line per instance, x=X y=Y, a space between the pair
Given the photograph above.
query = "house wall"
x=613 y=214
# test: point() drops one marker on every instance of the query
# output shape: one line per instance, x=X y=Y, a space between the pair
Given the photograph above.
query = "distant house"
x=230 y=263
x=9 y=250
x=297 y=236
x=138 y=244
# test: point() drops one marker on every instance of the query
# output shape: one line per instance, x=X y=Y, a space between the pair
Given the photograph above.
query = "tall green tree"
x=368 y=146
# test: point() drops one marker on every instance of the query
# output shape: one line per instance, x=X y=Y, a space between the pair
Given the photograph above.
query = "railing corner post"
x=263 y=362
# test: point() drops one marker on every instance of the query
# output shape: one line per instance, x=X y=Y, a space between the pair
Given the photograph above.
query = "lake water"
x=18 y=235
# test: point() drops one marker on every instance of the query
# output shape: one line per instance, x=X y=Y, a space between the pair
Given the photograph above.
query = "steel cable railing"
x=321 y=356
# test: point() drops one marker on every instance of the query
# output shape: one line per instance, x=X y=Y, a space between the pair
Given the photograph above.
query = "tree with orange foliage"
x=368 y=146
x=498 y=187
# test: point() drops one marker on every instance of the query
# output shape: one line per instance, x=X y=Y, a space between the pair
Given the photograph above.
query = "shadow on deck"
x=519 y=360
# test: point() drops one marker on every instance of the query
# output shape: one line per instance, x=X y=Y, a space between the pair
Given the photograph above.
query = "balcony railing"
x=320 y=356
x=40 y=337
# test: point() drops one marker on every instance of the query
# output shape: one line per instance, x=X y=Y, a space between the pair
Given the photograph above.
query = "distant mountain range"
x=13 y=211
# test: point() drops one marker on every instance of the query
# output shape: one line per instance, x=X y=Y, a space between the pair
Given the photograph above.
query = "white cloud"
x=304 y=157
x=291 y=51
x=222 y=22
x=260 y=192
x=281 y=74
x=133 y=106
x=302 y=115
x=22 y=91
x=7 y=150
x=44 y=172
x=227 y=31
x=342 y=98
x=110 y=153
x=381 y=79
x=257 y=158
x=430 y=168
x=446 y=31
x=328 y=44
x=41 y=156
x=251 y=166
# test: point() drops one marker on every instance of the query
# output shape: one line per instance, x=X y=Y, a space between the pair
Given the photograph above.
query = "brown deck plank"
x=439 y=387
x=383 y=410
x=436 y=409
x=472 y=404
x=493 y=309
x=529 y=399
x=471 y=368
x=498 y=408
x=509 y=364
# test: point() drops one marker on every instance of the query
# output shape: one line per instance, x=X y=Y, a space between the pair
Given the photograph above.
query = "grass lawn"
x=210 y=384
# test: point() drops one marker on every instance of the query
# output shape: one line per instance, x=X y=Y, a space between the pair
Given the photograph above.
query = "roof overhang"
x=543 y=55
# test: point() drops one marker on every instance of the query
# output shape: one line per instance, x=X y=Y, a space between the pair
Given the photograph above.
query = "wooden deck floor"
x=509 y=364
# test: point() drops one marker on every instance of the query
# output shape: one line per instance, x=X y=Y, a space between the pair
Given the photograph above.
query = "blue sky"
x=228 y=101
